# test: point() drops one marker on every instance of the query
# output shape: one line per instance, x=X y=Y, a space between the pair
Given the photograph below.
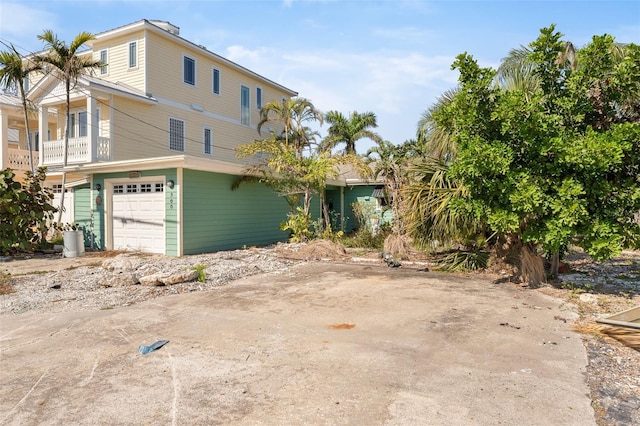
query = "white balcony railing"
x=79 y=151
x=18 y=159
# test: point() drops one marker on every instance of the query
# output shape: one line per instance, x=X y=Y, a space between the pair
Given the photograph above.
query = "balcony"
x=18 y=159
x=80 y=151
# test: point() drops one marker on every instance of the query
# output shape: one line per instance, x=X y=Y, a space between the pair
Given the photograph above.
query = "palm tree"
x=434 y=140
x=349 y=130
x=67 y=66
x=292 y=114
x=12 y=74
x=389 y=162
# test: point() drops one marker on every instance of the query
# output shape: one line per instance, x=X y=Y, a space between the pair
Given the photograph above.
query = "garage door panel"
x=138 y=219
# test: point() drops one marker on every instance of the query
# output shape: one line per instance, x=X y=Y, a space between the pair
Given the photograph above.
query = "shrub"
x=25 y=210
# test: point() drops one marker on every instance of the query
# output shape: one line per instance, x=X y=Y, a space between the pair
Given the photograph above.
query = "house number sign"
x=171 y=200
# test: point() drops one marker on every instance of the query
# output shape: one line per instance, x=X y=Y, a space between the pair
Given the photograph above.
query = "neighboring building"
x=152 y=144
x=350 y=189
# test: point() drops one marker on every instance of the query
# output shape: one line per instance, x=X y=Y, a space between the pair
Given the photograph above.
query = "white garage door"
x=67 y=212
x=138 y=217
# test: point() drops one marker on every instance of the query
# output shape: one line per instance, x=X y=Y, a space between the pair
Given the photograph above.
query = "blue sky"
x=391 y=57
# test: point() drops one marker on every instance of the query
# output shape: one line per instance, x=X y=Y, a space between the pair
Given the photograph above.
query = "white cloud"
x=395 y=85
x=19 y=20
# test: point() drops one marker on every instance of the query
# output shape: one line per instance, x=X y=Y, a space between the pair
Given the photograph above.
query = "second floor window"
x=26 y=84
x=78 y=124
x=133 y=54
x=104 y=58
x=216 y=81
x=207 y=140
x=245 y=114
x=82 y=124
x=176 y=134
x=189 y=70
x=259 y=97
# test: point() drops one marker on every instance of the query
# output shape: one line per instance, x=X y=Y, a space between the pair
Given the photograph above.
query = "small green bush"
x=200 y=269
x=25 y=211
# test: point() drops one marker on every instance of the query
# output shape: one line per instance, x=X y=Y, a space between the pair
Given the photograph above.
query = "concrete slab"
x=322 y=344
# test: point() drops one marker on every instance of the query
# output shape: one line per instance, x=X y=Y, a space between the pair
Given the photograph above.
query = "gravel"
x=591 y=290
x=94 y=287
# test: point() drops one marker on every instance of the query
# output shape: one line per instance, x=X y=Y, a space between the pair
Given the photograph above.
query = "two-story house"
x=151 y=157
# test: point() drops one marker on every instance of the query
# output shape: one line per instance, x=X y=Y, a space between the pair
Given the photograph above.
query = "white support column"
x=43 y=129
x=111 y=128
x=4 y=140
x=92 y=128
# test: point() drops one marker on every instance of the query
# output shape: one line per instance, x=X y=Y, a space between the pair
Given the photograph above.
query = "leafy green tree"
x=13 y=71
x=25 y=210
x=67 y=66
x=287 y=162
x=556 y=166
x=349 y=130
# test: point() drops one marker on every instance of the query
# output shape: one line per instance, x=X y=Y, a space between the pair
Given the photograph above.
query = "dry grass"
x=531 y=267
x=627 y=336
x=318 y=250
x=5 y=284
x=398 y=245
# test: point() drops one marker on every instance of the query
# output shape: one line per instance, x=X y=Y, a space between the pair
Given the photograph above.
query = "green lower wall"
x=362 y=194
x=217 y=218
x=82 y=212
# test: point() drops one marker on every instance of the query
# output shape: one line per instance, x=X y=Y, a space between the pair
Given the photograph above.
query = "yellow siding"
x=220 y=112
x=118 y=60
x=141 y=130
x=165 y=79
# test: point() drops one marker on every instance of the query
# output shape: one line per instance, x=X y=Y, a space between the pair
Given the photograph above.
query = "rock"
x=589 y=298
x=119 y=280
x=178 y=278
x=163 y=279
x=151 y=280
x=122 y=262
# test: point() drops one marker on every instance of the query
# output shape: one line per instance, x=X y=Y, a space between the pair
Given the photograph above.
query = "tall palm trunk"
x=65 y=152
x=26 y=125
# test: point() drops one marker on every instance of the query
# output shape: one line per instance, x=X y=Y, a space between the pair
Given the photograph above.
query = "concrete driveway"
x=322 y=344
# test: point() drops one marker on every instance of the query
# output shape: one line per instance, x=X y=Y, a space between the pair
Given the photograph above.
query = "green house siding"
x=82 y=212
x=362 y=194
x=217 y=218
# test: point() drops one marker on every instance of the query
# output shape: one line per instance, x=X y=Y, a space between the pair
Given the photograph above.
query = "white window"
x=189 y=70
x=176 y=134
x=132 y=188
x=133 y=54
x=13 y=135
x=78 y=125
x=35 y=140
x=26 y=84
x=118 y=189
x=98 y=121
x=104 y=57
x=259 y=97
x=216 y=81
x=145 y=187
x=57 y=189
x=245 y=114
x=206 y=139
x=159 y=187
x=72 y=125
x=82 y=124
